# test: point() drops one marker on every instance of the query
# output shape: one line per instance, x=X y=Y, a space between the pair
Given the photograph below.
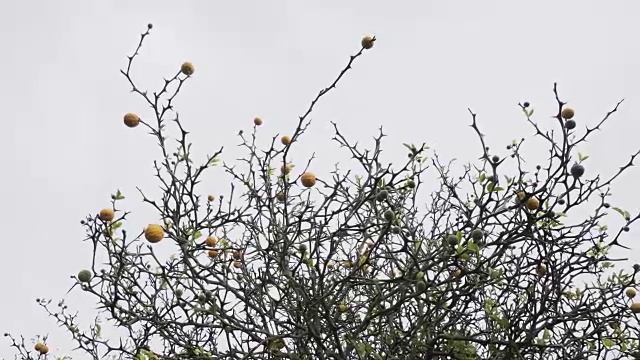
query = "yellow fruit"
x=41 y=348
x=257 y=121
x=38 y=346
x=630 y=292
x=567 y=113
x=131 y=120
x=533 y=203
x=187 y=68
x=342 y=308
x=237 y=264
x=521 y=195
x=285 y=140
x=347 y=264
x=211 y=198
x=308 y=179
x=106 y=215
x=367 y=42
x=212 y=253
x=635 y=307
x=281 y=196
x=154 y=233
x=211 y=241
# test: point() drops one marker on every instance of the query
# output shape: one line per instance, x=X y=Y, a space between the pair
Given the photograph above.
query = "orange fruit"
x=635 y=307
x=211 y=241
x=367 y=42
x=237 y=264
x=568 y=113
x=131 y=120
x=187 y=68
x=281 y=196
x=212 y=253
x=154 y=233
x=285 y=140
x=308 y=179
x=257 y=121
x=521 y=195
x=533 y=203
x=106 y=214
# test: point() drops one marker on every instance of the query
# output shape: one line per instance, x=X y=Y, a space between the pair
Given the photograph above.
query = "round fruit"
x=577 y=170
x=389 y=215
x=421 y=286
x=131 y=120
x=495 y=158
x=154 y=233
x=614 y=324
x=211 y=241
x=213 y=253
x=257 y=121
x=285 y=140
x=456 y=274
x=280 y=196
x=396 y=230
x=347 y=264
x=179 y=292
x=187 y=68
x=630 y=292
x=237 y=254
x=567 y=113
x=570 y=124
x=38 y=346
x=526 y=104
x=367 y=42
x=541 y=269
x=477 y=234
x=308 y=179
x=211 y=198
x=452 y=240
x=85 y=276
x=635 y=307
x=342 y=308
x=286 y=168
x=411 y=184
x=521 y=195
x=420 y=275
x=382 y=195
x=42 y=349
x=533 y=203
x=302 y=248
x=237 y=264
x=106 y=215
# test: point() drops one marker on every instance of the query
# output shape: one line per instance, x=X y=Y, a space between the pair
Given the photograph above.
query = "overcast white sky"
x=66 y=150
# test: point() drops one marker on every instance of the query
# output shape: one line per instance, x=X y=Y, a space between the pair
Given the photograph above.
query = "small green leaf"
x=483 y=177
x=608 y=343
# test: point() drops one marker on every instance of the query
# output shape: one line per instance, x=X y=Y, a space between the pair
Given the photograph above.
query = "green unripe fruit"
x=202 y=298
x=477 y=235
x=420 y=275
x=302 y=248
x=421 y=286
x=85 y=276
x=452 y=240
x=395 y=230
x=179 y=292
x=411 y=184
x=382 y=195
x=389 y=215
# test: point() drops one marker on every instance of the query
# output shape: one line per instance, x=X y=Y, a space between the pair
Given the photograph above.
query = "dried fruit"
x=533 y=203
x=131 y=120
x=567 y=113
x=630 y=292
x=285 y=140
x=541 y=269
x=211 y=241
x=213 y=253
x=308 y=179
x=635 y=307
x=367 y=42
x=211 y=198
x=257 y=121
x=187 y=68
x=281 y=196
x=237 y=264
x=106 y=215
x=85 y=276
x=577 y=170
x=154 y=233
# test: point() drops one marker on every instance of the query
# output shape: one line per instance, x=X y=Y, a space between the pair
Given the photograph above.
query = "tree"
x=303 y=265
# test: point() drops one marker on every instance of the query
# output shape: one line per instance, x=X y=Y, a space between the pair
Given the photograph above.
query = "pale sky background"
x=66 y=150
